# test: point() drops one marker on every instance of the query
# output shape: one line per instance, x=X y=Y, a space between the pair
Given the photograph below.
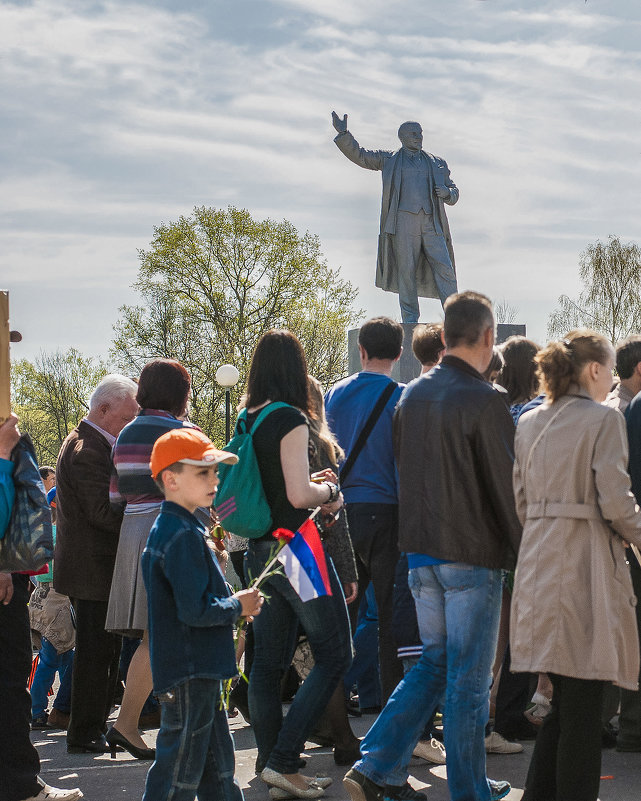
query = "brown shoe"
x=151 y=721
x=58 y=719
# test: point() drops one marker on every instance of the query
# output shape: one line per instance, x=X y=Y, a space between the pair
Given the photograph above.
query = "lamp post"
x=227 y=376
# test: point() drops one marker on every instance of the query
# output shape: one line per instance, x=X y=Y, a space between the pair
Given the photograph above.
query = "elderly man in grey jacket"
x=415 y=256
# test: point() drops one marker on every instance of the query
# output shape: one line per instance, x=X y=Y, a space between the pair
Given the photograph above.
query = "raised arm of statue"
x=338 y=123
x=345 y=142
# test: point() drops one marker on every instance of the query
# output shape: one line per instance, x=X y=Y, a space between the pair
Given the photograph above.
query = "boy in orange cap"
x=191 y=615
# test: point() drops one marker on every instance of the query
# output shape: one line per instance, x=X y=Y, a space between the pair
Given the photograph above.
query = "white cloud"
x=120 y=116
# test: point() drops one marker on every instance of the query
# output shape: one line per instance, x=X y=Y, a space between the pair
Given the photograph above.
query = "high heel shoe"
x=115 y=738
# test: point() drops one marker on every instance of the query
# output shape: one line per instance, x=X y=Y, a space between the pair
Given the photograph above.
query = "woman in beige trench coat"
x=573 y=603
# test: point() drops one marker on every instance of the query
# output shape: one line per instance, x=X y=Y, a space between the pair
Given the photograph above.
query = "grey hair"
x=112 y=389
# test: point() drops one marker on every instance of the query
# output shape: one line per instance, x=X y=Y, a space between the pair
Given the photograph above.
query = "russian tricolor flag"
x=304 y=563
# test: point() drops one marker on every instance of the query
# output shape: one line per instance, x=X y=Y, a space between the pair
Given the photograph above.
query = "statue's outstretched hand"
x=340 y=125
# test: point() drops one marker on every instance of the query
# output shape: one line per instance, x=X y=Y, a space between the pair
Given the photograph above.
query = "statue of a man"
x=415 y=256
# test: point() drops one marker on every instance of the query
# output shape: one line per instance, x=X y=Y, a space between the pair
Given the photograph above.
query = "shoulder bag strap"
x=371 y=421
x=262 y=414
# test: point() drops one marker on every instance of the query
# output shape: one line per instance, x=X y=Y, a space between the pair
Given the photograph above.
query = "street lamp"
x=227 y=376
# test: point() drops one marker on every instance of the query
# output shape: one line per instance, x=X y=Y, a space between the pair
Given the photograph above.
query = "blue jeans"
x=458 y=609
x=326 y=624
x=49 y=663
x=364 y=671
x=194 y=748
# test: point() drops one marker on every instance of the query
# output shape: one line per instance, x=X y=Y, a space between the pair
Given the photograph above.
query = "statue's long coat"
x=390 y=164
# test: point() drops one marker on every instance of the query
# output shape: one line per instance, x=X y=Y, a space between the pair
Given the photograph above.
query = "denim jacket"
x=190 y=611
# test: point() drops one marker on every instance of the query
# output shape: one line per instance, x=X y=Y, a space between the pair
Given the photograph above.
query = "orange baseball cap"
x=189 y=446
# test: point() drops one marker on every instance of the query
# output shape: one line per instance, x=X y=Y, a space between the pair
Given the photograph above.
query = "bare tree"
x=610 y=301
x=504 y=312
x=50 y=396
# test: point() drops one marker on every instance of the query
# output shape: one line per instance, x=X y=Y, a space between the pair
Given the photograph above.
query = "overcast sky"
x=119 y=115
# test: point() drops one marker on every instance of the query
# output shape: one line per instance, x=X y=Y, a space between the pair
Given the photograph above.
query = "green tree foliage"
x=50 y=396
x=213 y=283
x=610 y=301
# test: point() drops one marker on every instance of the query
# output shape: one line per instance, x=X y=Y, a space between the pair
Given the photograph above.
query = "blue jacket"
x=7 y=493
x=190 y=611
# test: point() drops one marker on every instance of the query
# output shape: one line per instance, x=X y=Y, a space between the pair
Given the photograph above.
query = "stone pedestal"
x=404 y=370
x=506 y=330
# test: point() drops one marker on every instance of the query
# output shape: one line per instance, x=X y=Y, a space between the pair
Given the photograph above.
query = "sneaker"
x=40 y=723
x=406 y=792
x=430 y=750
x=54 y=793
x=495 y=743
x=498 y=790
x=360 y=788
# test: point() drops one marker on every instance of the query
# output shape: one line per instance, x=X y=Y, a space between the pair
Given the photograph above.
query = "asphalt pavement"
x=102 y=778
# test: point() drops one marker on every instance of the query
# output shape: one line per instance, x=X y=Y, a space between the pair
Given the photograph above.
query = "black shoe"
x=353 y=708
x=115 y=738
x=628 y=747
x=519 y=731
x=40 y=723
x=608 y=736
x=238 y=697
x=98 y=745
x=406 y=792
x=320 y=738
x=347 y=756
x=360 y=788
x=498 y=790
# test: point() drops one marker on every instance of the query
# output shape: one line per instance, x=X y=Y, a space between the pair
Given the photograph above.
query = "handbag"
x=28 y=541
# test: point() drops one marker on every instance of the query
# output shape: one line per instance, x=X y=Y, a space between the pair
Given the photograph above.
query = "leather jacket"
x=454 y=447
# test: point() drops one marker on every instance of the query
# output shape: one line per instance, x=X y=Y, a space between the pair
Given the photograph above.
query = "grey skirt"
x=127 y=610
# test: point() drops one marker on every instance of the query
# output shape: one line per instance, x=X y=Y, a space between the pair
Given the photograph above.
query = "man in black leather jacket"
x=454 y=439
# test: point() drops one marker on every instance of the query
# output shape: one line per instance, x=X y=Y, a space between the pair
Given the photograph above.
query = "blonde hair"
x=318 y=422
x=559 y=365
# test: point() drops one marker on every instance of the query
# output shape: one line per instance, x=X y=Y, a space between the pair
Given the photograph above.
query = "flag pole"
x=5 y=374
x=268 y=567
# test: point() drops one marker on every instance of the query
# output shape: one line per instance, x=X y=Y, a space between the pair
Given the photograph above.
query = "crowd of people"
x=479 y=528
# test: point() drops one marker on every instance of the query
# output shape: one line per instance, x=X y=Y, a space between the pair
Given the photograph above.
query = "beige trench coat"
x=573 y=606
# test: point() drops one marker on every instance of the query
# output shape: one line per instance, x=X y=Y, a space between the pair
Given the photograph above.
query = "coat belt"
x=576 y=511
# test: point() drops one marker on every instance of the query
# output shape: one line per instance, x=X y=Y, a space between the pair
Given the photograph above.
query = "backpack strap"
x=264 y=412
x=371 y=421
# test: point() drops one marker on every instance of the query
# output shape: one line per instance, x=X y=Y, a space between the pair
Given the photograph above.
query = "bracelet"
x=334 y=491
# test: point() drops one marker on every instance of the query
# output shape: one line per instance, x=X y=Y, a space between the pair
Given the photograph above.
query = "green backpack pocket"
x=241 y=504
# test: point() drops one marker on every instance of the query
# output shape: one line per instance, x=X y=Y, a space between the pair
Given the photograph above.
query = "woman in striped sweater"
x=163 y=392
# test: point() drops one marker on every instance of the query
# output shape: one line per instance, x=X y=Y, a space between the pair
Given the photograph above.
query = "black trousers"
x=630 y=717
x=512 y=697
x=373 y=528
x=19 y=760
x=566 y=763
x=95 y=672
